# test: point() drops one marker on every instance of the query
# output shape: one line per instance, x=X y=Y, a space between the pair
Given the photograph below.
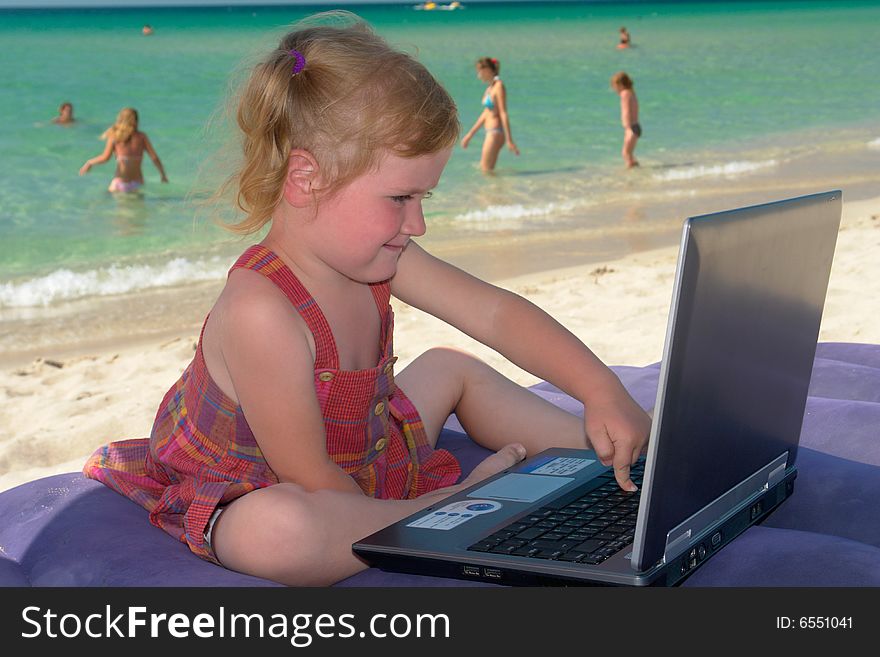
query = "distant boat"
x=428 y=6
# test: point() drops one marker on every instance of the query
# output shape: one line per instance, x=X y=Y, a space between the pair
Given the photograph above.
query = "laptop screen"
x=743 y=327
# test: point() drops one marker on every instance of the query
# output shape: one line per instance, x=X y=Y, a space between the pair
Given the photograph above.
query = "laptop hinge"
x=678 y=540
x=778 y=474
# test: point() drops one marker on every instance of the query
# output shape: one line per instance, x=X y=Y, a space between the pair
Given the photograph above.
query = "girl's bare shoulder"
x=246 y=290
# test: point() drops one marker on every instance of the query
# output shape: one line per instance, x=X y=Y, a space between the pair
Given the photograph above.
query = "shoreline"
x=516 y=221
x=58 y=408
x=591 y=236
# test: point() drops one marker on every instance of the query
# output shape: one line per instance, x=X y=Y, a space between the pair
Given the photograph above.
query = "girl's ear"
x=301 y=179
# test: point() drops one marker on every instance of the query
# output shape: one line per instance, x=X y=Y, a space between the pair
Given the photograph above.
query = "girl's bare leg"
x=491 y=147
x=494 y=410
x=301 y=538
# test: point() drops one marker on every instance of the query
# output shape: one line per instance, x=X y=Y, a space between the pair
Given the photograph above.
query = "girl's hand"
x=512 y=147
x=84 y=169
x=466 y=140
x=164 y=178
x=617 y=429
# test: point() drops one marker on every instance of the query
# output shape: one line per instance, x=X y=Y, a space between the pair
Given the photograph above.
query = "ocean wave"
x=729 y=169
x=66 y=285
x=518 y=211
x=875 y=143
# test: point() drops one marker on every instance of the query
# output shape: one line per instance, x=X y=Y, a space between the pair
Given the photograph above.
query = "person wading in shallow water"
x=128 y=143
x=494 y=117
x=629 y=116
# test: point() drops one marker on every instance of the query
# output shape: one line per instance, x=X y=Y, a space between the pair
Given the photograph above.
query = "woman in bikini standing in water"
x=128 y=143
x=494 y=117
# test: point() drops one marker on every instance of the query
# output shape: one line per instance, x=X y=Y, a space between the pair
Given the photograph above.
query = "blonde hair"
x=126 y=125
x=355 y=98
x=621 y=81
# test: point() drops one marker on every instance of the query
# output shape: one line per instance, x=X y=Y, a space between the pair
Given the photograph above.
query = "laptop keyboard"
x=587 y=530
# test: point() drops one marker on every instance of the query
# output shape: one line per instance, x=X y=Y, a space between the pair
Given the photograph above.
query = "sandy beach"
x=59 y=406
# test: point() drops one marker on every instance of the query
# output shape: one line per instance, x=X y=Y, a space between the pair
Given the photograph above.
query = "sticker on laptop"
x=453 y=515
x=559 y=466
x=516 y=487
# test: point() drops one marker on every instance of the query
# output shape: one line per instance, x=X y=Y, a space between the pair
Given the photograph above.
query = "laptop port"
x=756 y=510
x=474 y=571
x=494 y=573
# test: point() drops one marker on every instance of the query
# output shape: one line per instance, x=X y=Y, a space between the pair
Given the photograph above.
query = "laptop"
x=747 y=302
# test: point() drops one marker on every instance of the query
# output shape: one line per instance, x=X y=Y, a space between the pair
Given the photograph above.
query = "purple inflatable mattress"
x=66 y=530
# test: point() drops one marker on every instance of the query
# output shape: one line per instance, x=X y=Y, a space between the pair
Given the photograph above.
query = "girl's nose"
x=414 y=222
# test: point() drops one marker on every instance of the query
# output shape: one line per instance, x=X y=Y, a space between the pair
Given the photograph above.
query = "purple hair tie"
x=300 y=62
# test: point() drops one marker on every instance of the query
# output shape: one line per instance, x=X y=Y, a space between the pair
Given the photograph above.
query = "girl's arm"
x=266 y=352
x=505 y=118
x=502 y=320
x=98 y=159
x=153 y=156
x=616 y=426
x=470 y=133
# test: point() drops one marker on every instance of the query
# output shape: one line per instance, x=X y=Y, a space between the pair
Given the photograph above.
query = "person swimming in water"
x=494 y=117
x=65 y=114
x=128 y=144
x=624 y=39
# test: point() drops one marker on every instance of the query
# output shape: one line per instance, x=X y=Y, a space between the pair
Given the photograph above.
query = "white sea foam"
x=518 y=211
x=726 y=170
x=874 y=143
x=65 y=285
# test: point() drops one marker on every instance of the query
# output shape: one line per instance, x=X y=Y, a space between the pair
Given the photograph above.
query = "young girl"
x=629 y=116
x=494 y=117
x=128 y=143
x=290 y=436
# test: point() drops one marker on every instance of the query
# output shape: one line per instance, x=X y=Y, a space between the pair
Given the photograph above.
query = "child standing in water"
x=629 y=116
x=290 y=436
x=128 y=143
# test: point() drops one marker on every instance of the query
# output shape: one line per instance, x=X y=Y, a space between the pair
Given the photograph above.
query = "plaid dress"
x=202 y=454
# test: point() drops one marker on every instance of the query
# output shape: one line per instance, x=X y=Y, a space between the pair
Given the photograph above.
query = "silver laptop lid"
x=743 y=325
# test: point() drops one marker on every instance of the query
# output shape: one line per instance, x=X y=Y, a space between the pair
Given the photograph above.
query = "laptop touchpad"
x=520 y=487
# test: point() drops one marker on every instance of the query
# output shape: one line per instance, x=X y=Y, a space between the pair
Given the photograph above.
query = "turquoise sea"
x=740 y=102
